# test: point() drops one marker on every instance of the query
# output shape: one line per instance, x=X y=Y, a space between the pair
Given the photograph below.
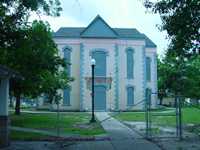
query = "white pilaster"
x=4 y=95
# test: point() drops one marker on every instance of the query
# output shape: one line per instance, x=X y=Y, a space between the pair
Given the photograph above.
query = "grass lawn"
x=20 y=135
x=70 y=123
x=189 y=116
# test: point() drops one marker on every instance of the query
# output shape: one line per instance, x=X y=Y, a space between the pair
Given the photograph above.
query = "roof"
x=7 y=72
x=98 y=28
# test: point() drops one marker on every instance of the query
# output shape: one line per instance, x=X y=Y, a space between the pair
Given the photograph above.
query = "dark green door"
x=100 y=98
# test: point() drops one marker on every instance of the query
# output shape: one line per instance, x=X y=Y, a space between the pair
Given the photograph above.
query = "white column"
x=4 y=120
x=4 y=96
x=154 y=89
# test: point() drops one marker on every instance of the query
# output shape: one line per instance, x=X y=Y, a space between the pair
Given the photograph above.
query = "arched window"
x=130 y=95
x=148 y=68
x=130 y=63
x=66 y=97
x=67 y=57
x=100 y=67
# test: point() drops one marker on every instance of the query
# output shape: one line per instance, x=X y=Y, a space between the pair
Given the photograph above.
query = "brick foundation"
x=4 y=131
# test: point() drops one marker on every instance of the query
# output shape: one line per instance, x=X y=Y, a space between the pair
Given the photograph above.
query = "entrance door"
x=100 y=98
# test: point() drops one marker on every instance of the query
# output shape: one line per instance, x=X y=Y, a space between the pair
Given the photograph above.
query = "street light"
x=93 y=62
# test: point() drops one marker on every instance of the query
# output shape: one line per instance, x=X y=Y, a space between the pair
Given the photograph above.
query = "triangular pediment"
x=98 y=28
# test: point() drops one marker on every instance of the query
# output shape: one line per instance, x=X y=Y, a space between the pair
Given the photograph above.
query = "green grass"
x=20 y=135
x=70 y=123
x=130 y=116
x=189 y=116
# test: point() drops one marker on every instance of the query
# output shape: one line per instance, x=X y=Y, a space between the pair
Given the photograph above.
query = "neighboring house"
x=126 y=66
x=169 y=101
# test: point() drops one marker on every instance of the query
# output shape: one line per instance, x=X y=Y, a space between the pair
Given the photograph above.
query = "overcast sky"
x=117 y=13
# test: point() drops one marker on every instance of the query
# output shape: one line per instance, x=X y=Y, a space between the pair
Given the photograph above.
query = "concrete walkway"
x=122 y=137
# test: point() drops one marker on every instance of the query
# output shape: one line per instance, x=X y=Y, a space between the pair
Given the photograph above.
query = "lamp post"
x=93 y=65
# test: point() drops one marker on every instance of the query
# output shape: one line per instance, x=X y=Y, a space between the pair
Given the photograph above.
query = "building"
x=5 y=75
x=126 y=67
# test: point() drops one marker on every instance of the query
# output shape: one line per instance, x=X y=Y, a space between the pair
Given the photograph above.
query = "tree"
x=36 y=58
x=54 y=82
x=179 y=78
x=14 y=16
x=162 y=78
x=181 y=20
x=29 y=50
x=192 y=81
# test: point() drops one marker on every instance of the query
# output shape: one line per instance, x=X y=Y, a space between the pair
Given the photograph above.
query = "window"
x=67 y=57
x=129 y=58
x=130 y=96
x=100 y=67
x=66 y=93
x=148 y=68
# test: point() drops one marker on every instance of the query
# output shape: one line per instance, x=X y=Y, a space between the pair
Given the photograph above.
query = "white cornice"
x=64 y=41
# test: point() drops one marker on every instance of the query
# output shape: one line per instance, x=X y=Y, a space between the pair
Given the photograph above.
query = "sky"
x=117 y=13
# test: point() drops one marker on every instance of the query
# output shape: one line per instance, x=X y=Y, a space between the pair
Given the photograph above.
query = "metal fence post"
x=146 y=117
x=177 y=123
x=180 y=118
x=58 y=120
x=147 y=114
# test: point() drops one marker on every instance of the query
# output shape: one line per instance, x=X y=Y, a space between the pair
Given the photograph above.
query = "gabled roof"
x=7 y=72
x=98 y=28
x=149 y=42
x=69 y=32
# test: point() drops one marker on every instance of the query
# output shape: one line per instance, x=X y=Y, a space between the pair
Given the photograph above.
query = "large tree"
x=30 y=49
x=14 y=16
x=181 y=20
x=192 y=80
x=183 y=78
x=33 y=57
x=163 y=73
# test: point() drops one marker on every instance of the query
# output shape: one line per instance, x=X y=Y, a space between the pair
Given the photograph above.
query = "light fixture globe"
x=93 y=61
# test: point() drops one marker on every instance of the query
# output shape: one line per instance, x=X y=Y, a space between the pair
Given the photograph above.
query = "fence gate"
x=160 y=124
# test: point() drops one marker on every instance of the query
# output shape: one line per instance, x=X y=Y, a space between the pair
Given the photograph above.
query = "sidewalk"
x=122 y=137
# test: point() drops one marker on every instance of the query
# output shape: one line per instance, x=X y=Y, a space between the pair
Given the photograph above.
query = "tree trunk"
x=11 y=101
x=17 y=105
x=161 y=100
